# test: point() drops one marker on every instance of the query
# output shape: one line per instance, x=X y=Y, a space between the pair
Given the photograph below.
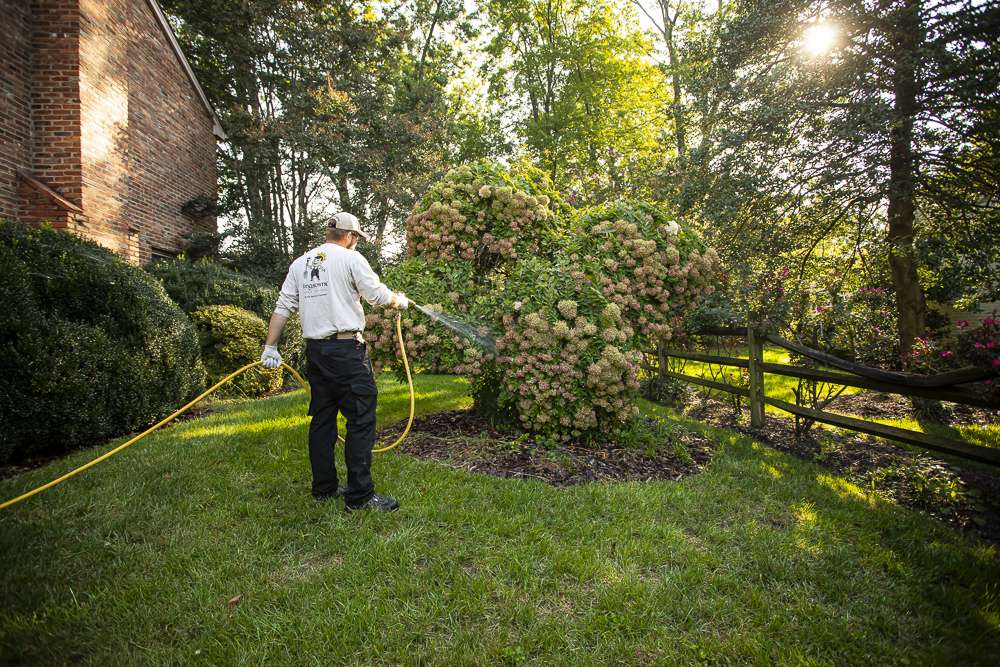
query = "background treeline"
x=852 y=194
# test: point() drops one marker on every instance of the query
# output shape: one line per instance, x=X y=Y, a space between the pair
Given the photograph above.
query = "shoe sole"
x=349 y=509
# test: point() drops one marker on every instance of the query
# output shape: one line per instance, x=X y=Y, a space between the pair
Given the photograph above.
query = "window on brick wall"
x=161 y=255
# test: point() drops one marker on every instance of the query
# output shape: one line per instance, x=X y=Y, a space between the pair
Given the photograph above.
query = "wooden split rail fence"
x=944 y=387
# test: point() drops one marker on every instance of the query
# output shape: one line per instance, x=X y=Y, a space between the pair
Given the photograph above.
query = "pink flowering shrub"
x=485 y=215
x=979 y=346
x=565 y=366
x=653 y=269
x=965 y=345
x=429 y=347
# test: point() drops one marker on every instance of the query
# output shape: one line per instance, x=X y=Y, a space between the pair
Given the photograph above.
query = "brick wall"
x=104 y=100
x=40 y=112
x=15 y=100
x=172 y=148
x=96 y=104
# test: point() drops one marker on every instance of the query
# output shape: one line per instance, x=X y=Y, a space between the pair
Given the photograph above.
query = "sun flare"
x=819 y=39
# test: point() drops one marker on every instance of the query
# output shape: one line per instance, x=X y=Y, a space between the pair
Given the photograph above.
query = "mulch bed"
x=967 y=498
x=465 y=441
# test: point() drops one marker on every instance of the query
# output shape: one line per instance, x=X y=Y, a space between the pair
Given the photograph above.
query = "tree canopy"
x=824 y=147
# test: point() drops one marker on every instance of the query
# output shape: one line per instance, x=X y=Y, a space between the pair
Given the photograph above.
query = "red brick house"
x=104 y=129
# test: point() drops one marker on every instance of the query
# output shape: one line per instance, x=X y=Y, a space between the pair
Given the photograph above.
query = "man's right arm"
x=288 y=303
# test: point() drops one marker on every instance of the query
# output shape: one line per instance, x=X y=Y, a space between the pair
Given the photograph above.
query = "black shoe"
x=376 y=502
x=341 y=490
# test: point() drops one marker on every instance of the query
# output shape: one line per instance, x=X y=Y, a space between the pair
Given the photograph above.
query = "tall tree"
x=856 y=138
x=328 y=105
x=584 y=99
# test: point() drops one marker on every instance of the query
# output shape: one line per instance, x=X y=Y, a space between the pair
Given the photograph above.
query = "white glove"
x=271 y=358
x=400 y=301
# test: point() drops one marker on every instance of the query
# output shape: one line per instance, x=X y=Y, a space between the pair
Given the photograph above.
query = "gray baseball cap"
x=347 y=222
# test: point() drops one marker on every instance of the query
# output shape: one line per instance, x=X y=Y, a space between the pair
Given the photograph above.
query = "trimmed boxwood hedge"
x=231 y=337
x=208 y=283
x=194 y=285
x=93 y=347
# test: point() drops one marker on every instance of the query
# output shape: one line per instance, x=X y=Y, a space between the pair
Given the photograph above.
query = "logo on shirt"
x=314 y=266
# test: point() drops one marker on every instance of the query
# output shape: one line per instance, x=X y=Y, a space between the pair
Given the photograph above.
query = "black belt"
x=342 y=335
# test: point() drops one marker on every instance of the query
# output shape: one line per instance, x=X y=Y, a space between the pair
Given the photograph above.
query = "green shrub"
x=94 y=347
x=207 y=283
x=232 y=337
x=663 y=389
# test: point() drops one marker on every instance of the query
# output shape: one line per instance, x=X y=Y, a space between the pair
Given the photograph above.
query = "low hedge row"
x=231 y=337
x=94 y=347
x=208 y=283
x=196 y=285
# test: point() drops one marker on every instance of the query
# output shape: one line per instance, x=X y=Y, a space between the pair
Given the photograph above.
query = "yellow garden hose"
x=409 y=382
x=208 y=392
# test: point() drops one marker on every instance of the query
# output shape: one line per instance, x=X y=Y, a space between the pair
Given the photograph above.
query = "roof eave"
x=172 y=38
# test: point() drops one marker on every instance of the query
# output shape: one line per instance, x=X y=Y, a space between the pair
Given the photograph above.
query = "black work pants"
x=341 y=380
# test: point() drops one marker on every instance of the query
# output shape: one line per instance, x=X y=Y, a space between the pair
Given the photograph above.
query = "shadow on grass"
x=760 y=558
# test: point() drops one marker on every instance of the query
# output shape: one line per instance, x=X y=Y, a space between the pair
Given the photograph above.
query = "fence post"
x=755 y=343
x=661 y=353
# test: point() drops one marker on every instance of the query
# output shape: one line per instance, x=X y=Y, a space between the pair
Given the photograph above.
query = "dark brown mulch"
x=965 y=496
x=891 y=406
x=465 y=441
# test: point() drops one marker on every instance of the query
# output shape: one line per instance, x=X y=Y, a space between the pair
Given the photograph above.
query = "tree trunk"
x=675 y=78
x=906 y=39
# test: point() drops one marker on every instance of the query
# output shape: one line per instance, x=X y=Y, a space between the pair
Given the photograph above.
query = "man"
x=324 y=285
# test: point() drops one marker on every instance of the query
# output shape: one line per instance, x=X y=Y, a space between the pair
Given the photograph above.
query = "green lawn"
x=782 y=388
x=762 y=558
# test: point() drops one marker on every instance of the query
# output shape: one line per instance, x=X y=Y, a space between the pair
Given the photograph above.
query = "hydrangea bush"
x=573 y=297
x=485 y=215
x=565 y=365
x=654 y=270
x=448 y=287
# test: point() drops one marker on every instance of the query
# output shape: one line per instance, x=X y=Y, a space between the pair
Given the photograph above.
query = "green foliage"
x=231 y=337
x=800 y=156
x=320 y=97
x=485 y=215
x=856 y=324
x=664 y=389
x=576 y=81
x=95 y=347
x=207 y=283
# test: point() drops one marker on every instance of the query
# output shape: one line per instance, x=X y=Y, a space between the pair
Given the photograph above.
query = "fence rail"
x=943 y=387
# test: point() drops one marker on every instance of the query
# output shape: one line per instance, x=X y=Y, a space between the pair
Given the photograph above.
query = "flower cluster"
x=980 y=346
x=566 y=366
x=484 y=215
x=435 y=349
x=650 y=267
x=964 y=345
